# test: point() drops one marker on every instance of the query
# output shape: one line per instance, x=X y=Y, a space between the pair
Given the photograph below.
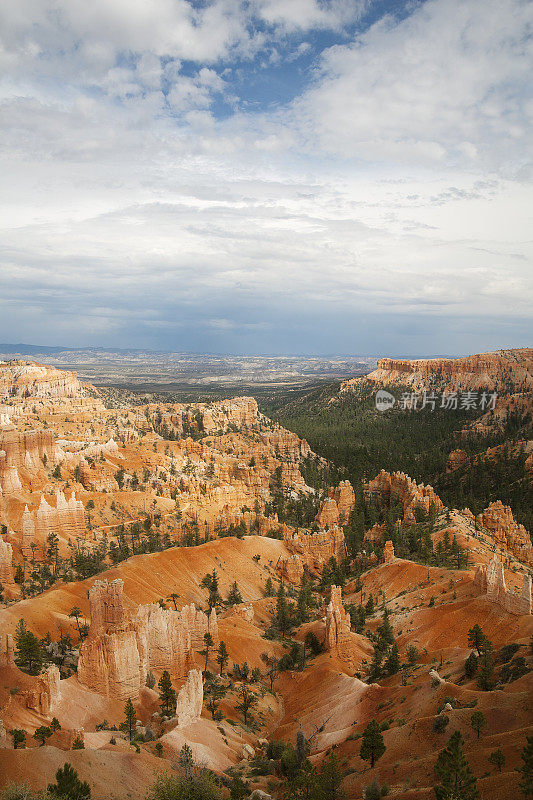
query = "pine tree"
x=247 y=701
x=385 y=632
x=478 y=721
x=453 y=771
x=497 y=758
x=167 y=695
x=214 y=598
x=19 y=738
x=330 y=777
x=372 y=745
x=476 y=638
x=375 y=665
x=283 y=622
x=269 y=588
x=526 y=784
x=78 y=743
x=130 y=718
x=392 y=664
x=28 y=651
x=42 y=733
x=222 y=656
x=186 y=763
x=486 y=666
x=55 y=725
x=471 y=665
x=69 y=785
x=234 y=596
x=208 y=641
x=369 y=607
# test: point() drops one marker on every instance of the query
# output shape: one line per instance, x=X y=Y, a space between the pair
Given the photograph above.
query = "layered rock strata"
x=121 y=648
x=490 y=579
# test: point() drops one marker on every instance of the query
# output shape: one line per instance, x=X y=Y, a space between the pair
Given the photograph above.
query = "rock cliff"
x=404 y=489
x=490 y=579
x=339 y=637
x=498 y=520
x=121 y=648
x=501 y=371
x=7 y=573
x=27 y=379
x=190 y=699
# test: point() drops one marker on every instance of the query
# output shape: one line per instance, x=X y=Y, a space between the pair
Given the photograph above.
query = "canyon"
x=115 y=517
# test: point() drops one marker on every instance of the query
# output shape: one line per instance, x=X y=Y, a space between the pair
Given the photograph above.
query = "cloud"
x=393 y=186
x=447 y=84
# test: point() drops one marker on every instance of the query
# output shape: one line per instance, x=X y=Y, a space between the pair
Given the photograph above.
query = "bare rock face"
x=7 y=573
x=403 y=488
x=7 y=651
x=498 y=520
x=29 y=379
x=22 y=454
x=339 y=638
x=292 y=569
x=490 y=371
x=316 y=549
x=244 y=611
x=190 y=699
x=44 y=696
x=491 y=580
x=66 y=518
x=328 y=514
x=435 y=678
x=338 y=506
x=388 y=552
x=456 y=460
x=121 y=648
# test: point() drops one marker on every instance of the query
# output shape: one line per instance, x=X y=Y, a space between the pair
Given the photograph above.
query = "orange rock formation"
x=339 y=637
x=121 y=648
x=490 y=371
x=490 y=578
x=388 y=552
x=508 y=534
x=190 y=699
x=410 y=494
x=19 y=379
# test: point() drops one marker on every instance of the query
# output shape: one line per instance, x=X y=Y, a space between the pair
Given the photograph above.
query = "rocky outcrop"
x=27 y=379
x=190 y=699
x=339 y=638
x=7 y=651
x=121 y=648
x=501 y=371
x=328 y=514
x=508 y=534
x=46 y=693
x=7 y=573
x=388 y=552
x=490 y=579
x=316 y=549
x=66 y=519
x=336 y=509
x=243 y=611
x=401 y=487
x=292 y=569
x=456 y=460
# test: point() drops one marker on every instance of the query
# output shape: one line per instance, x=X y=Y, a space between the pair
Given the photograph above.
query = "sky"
x=267 y=176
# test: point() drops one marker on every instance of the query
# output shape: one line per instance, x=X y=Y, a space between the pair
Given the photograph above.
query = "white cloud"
x=395 y=182
x=444 y=85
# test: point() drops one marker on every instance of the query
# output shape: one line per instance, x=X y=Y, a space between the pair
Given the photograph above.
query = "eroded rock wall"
x=508 y=534
x=121 y=648
x=490 y=579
